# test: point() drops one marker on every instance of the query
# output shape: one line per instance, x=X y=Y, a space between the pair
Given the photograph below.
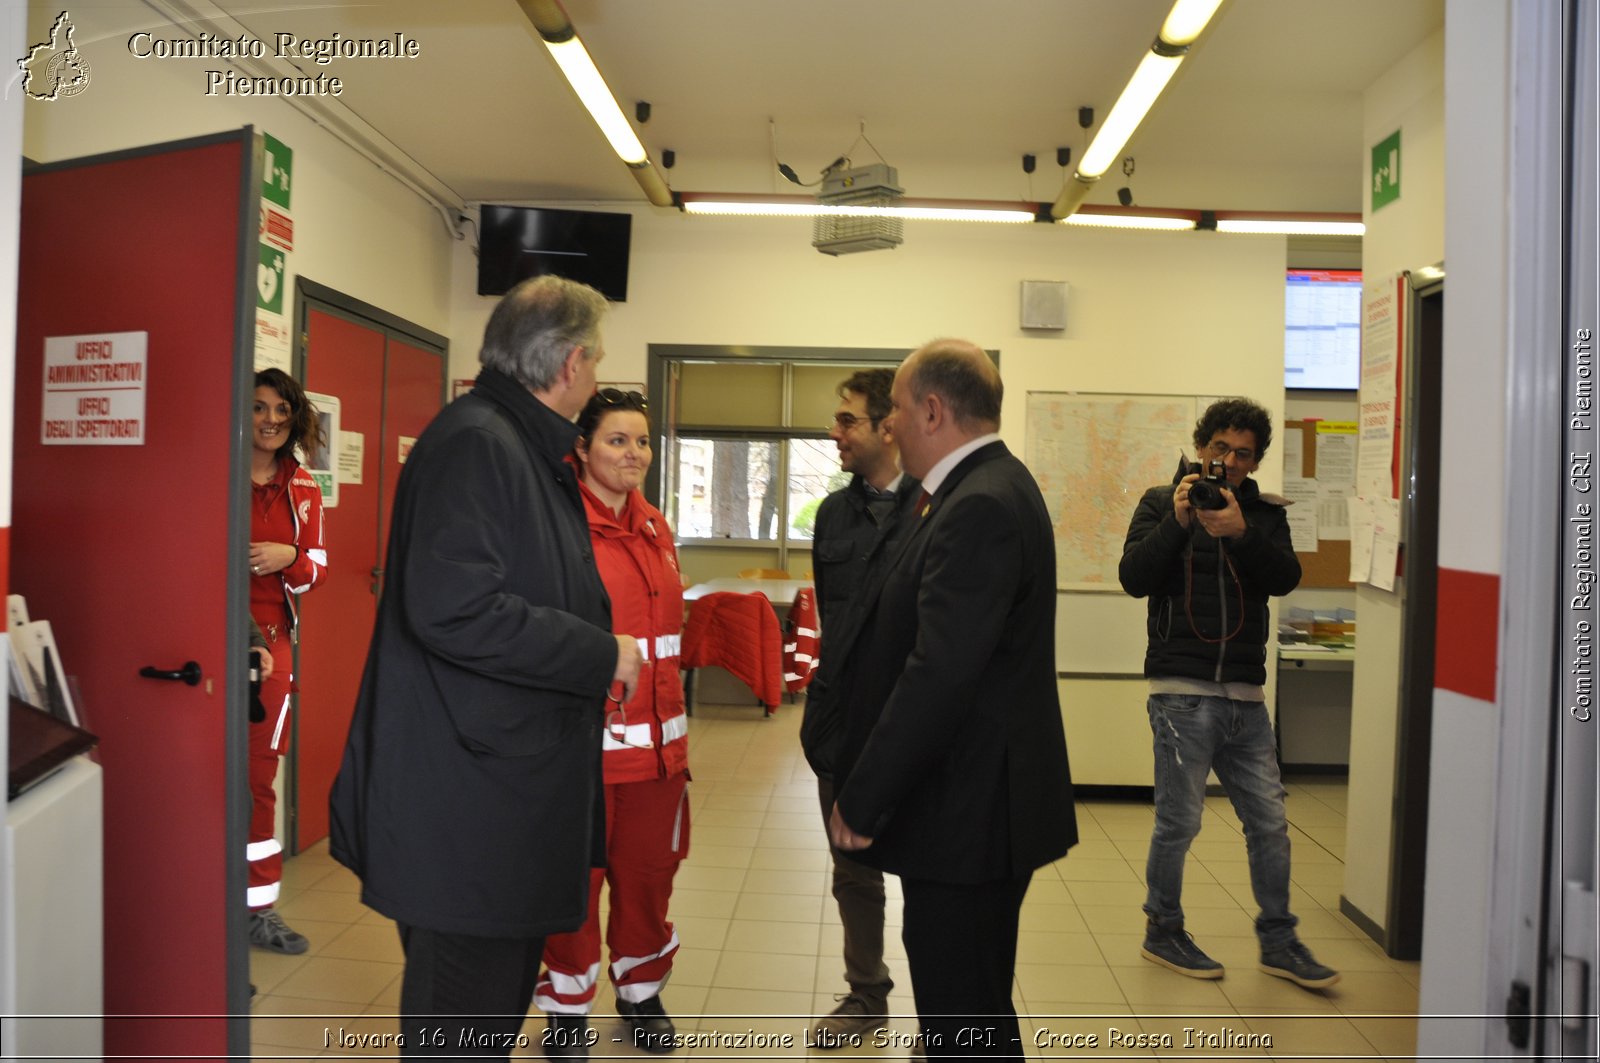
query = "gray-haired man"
x=469 y=797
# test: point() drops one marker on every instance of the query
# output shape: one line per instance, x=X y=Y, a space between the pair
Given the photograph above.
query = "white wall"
x=356 y=229
x=1151 y=312
x=1402 y=235
x=1462 y=800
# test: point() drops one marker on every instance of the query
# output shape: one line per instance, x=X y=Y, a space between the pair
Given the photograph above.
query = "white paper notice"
x=1385 y=542
x=1303 y=528
x=1380 y=396
x=1294 y=458
x=1333 y=513
x=1361 y=524
x=1336 y=453
x=352 y=447
x=94 y=389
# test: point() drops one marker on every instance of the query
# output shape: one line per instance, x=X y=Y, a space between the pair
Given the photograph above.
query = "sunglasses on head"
x=618 y=397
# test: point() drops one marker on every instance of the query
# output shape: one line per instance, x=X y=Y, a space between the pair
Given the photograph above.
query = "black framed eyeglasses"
x=1220 y=449
x=847 y=421
x=617 y=397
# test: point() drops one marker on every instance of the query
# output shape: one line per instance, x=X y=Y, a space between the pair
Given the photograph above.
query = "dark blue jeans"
x=1194 y=736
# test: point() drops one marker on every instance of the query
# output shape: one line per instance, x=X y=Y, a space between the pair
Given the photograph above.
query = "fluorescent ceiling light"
x=573 y=59
x=1135 y=102
x=1187 y=20
x=959 y=214
x=1291 y=227
x=745 y=208
x=1183 y=25
x=1128 y=221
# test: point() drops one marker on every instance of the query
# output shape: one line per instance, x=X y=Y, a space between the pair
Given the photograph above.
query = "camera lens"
x=1207 y=494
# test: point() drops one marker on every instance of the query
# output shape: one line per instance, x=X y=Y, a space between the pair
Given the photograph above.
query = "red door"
x=388 y=391
x=413 y=391
x=343 y=359
x=135 y=554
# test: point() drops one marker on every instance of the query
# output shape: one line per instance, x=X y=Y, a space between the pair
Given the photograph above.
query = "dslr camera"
x=1206 y=492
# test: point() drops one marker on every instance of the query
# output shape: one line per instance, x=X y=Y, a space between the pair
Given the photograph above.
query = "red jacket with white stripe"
x=638 y=563
x=801 y=644
x=310 y=564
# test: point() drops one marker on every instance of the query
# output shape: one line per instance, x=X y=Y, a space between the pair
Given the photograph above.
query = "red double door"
x=389 y=387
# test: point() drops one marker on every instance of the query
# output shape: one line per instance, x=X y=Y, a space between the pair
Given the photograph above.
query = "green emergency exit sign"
x=277 y=170
x=1386 y=170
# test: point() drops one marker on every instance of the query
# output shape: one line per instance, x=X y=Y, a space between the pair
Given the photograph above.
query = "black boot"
x=652 y=1030
x=567 y=1036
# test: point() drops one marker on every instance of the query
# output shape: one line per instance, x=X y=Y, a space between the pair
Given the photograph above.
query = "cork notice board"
x=1329 y=564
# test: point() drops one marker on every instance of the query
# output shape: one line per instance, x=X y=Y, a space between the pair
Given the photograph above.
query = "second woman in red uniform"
x=287 y=558
x=644 y=747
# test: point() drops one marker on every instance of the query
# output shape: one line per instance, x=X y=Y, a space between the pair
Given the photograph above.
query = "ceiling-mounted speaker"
x=1044 y=304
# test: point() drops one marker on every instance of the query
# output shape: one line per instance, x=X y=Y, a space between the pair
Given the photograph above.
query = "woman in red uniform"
x=644 y=744
x=286 y=558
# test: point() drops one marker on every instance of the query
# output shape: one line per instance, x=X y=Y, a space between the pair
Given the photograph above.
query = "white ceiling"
x=1265 y=114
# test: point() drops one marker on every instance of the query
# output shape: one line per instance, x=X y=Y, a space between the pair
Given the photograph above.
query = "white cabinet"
x=51 y=924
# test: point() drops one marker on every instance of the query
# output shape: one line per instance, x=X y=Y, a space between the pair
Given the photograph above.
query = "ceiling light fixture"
x=1183 y=25
x=555 y=29
x=1176 y=222
x=757 y=206
x=1171 y=219
x=1280 y=224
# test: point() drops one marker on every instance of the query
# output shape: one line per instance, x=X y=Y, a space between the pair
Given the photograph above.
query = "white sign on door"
x=94 y=389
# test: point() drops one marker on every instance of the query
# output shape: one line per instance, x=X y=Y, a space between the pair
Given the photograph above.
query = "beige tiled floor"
x=761 y=937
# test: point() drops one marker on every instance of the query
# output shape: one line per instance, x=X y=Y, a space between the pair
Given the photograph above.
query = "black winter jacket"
x=468 y=800
x=1198 y=586
x=845 y=541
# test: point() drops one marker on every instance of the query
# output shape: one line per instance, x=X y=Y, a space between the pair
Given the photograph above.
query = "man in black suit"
x=952 y=770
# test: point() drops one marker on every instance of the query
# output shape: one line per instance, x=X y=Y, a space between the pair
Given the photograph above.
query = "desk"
x=1318 y=658
x=1314 y=693
x=780 y=592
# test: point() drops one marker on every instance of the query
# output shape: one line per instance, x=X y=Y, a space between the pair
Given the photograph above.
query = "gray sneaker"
x=849 y=1023
x=269 y=931
x=1295 y=962
x=1176 y=950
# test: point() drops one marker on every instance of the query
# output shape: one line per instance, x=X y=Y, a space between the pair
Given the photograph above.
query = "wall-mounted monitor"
x=1322 y=329
x=515 y=243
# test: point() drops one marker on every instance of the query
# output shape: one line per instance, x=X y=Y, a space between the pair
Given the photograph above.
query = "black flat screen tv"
x=515 y=243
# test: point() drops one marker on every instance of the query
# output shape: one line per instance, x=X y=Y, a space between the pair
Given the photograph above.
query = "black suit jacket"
x=953 y=757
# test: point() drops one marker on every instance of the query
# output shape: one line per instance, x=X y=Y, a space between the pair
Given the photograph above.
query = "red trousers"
x=269 y=739
x=647 y=836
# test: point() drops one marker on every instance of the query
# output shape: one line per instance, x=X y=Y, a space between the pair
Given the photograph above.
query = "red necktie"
x=922 y=504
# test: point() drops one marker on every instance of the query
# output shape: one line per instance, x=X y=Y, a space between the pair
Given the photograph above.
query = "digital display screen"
x=1322 y=329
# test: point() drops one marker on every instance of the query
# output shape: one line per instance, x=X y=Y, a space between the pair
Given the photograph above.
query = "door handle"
x=189 y=673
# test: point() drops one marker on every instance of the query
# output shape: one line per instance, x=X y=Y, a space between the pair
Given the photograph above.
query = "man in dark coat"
x=952 y=769
x=1208 y=555
x=468 y=798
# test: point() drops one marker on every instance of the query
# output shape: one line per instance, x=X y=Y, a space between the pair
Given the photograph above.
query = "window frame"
x=661 y=377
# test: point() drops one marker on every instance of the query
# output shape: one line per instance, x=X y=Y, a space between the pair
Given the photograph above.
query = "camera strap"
x=1188 y=593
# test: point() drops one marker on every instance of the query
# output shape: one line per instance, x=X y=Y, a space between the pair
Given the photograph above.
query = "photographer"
x=1208 y=550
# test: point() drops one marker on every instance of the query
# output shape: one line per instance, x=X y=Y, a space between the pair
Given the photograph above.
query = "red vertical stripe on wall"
x=1467 y=650
x=5 y=574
